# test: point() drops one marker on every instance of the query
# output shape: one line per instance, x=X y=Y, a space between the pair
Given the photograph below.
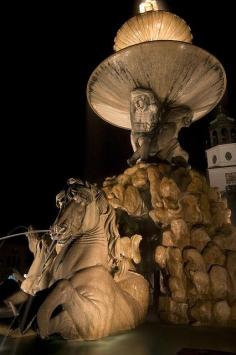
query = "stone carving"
x=89 y=272
x=179 y=75
x=195 y=251
x=144 y=119
x=152 y=26
x=154 y=132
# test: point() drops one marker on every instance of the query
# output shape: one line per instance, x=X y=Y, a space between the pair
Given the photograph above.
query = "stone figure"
x=89 y=273
x=166 y=144
x=155 y=129
x=144 y=119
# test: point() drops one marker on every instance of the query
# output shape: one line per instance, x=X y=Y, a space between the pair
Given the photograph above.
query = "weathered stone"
x=191 y=209
x=199 y=238
x=172 y=311
x=175 y=254
x=173 y=318
x=205 y=208
x=118 y=191
x=214 y=194
x=177 y=288
x=140 y=178
x=165 y=215
x=226 y=239
x=169 y=190
x=198 y=245
x=161 y=254
x=221 y=312
x=231 y=267
x=233 y=313
x=192 y=294
x=180 y=230
x=131 y=171
x=219 y=282
x=167 y=239
x=109 y=181
x=154 y=180
x=176 y=269
x=132 y=201
x=194 y=261
x=107 y=191
x=175 y=264
x=128 y=247
x=213 y=255
x=196 y=185
x=220 y=214
x=123 y=179
x=182 y=178
x=201 y=282
x=202 y=312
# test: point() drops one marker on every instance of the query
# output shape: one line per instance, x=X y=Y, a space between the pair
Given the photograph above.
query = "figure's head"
x=74 y=216
x=142 y=98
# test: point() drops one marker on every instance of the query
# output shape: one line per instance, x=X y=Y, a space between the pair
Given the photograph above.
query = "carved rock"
x=132 y=201
x=177 y=288
x=170 y=192
x=231 y=267
x=194 y=261
x=175 y=265
x=167 y=239
x=161 y=255
x=180 y=230
x=219 y=281
x=191 y=209
x=198 y=245
x=123 y=179
x=202 y=312
x=199 y=238
x=221 y=312
x=205 y=208
x=182 y=178
x=201 y=282
x=213 y=255
x=118 y=191
x=173 y=312
x=154 y=180
x=220 y=214
x=140 y=178
x=226 y=239
x=233 y=313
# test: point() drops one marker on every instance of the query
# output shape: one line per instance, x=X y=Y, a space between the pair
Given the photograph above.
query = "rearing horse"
x=96 y=296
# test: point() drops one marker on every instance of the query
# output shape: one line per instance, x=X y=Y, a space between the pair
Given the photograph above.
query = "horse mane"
x=105 y=210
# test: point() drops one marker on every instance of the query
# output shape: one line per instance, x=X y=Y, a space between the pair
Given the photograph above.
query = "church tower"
x=221 y=156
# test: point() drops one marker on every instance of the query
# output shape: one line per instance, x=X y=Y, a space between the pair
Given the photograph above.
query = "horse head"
x=81 y=205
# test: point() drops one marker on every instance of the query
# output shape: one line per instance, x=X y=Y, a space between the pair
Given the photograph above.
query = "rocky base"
x=195 y=242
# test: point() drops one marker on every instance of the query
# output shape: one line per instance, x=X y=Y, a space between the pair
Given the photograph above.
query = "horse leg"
x=57 y=296
x=62 y=324
x=89 y=301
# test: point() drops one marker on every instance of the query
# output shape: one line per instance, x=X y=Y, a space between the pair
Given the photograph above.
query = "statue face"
x=141 y=103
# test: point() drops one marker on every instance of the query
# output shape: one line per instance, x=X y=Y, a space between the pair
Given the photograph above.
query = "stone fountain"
x=155 y=237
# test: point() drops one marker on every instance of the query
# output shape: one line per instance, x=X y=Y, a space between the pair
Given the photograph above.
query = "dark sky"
x=47 y=132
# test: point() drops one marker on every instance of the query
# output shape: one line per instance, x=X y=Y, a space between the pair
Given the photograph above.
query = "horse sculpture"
x=87 y=275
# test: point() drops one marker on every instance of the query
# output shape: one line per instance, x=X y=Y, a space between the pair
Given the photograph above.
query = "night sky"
x=48 y=133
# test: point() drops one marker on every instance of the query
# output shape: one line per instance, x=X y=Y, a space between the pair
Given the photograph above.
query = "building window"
x=228 y=156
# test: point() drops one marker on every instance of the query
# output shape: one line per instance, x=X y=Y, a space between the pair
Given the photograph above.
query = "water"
x=150 y=338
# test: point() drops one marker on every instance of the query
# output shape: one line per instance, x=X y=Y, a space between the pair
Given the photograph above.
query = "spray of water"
x=23 y=233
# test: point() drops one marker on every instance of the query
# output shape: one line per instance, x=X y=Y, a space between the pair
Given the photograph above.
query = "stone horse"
x=97 y=293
